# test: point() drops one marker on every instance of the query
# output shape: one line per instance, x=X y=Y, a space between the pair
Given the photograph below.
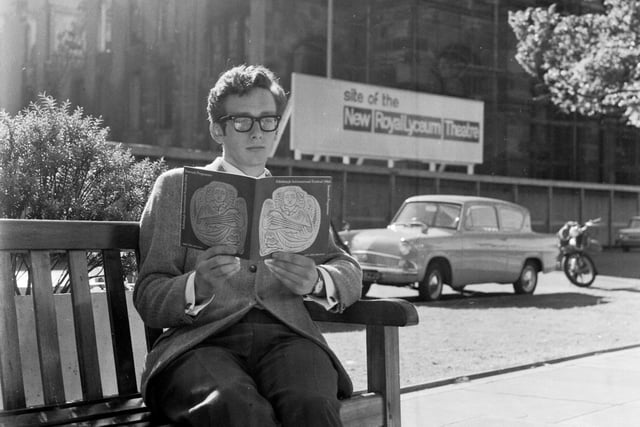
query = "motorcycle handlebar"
x=589 y=223
x=592 y=222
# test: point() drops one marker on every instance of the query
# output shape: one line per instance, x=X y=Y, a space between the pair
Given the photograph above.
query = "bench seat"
x=37 y=239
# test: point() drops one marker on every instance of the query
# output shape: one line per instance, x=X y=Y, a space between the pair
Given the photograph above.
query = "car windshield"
x=432 y=214
x=634 y=223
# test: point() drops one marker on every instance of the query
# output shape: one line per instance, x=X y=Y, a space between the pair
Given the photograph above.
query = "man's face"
x=248 y=151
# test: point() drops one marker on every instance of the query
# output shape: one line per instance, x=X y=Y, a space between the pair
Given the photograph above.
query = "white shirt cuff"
x=331 y=299
x=190 y=297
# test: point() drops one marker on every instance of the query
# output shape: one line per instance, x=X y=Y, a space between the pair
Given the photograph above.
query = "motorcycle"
x=574 y=242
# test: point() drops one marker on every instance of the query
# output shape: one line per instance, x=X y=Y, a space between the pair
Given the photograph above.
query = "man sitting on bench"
x=239 y=346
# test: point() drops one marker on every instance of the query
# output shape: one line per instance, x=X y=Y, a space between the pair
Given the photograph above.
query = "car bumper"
x=628 y=243
x=385 y=268
x=388 y=276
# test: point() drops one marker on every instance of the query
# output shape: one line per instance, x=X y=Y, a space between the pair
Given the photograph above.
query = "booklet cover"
x=257 y=216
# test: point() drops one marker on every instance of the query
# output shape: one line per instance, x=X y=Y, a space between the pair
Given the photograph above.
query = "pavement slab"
x=599 y=390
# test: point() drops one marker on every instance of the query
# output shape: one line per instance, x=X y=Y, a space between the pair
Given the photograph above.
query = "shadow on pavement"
x=480 y=300
x=628 y=289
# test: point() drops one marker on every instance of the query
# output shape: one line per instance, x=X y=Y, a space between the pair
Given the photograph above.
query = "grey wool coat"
x=159 y=294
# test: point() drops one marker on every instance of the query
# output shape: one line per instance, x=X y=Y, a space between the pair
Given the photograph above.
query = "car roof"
x=455 y=198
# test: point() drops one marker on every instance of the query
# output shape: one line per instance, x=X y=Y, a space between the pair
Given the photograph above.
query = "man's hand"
x=214 y=265
x=297 y=272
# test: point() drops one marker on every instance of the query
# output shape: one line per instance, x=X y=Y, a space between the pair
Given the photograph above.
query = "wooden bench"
x=378 y=405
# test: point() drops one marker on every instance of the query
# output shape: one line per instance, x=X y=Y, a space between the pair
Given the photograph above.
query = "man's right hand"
x=214 y=265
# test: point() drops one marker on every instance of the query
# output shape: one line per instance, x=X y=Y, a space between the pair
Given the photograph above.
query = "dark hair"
x=239 y=81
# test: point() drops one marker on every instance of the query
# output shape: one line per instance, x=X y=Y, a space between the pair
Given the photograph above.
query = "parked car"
x=630 y=237
x=97 y=283
x=454 y=240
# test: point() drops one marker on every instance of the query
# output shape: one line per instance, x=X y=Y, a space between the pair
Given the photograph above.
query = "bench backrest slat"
x=38 y=239
x=46 y=328
x=119 y=317
x=10 y=364
x=18 y=234
x=90 y=378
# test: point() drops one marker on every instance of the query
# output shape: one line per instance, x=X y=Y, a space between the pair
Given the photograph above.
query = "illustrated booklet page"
x=256 y=216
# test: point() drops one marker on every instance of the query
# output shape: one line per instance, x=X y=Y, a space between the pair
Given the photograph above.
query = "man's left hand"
x=297 y=272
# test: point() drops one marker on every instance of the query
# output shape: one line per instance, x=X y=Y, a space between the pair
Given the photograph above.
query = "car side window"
x=510 y=219
x=447 y=216
x=481 y=218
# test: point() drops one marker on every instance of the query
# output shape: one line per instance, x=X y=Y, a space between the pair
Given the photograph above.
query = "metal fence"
x=368 y=196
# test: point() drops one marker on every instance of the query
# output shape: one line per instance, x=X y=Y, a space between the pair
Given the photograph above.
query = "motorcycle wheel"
x=579 y=269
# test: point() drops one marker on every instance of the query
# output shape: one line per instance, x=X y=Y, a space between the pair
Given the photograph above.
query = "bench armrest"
x=382 y=318
x=382 y=312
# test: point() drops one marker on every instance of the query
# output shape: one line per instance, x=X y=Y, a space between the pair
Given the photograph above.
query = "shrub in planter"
x=58 y=164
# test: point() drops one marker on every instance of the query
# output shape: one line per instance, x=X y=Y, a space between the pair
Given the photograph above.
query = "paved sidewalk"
x=601 y=390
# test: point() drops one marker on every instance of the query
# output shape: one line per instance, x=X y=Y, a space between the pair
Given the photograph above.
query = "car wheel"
x=528 y=280
x=365 y=288
x=430 y=289
x=625 y=249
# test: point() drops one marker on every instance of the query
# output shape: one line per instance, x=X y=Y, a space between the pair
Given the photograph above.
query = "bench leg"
x=383 y=369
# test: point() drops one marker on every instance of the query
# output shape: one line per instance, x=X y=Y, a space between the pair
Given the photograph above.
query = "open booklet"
x=257 y=216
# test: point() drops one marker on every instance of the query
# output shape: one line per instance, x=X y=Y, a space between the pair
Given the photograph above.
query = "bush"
x=57 y=164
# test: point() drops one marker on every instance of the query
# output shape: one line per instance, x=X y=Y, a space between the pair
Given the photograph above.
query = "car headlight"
x=407 y=265
x=404 y=247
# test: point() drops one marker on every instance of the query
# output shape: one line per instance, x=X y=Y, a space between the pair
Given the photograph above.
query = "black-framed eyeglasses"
x=245 y=123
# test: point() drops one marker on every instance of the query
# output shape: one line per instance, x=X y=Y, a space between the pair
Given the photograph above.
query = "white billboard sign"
x=341 y=118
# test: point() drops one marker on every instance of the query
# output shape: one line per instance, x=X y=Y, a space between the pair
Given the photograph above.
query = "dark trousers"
x=256 y=373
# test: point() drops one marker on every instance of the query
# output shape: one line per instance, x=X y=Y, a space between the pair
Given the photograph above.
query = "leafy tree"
x=58 y=164
x=589 y=63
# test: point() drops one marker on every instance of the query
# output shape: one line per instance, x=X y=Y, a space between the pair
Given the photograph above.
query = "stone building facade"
x=146 y=67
